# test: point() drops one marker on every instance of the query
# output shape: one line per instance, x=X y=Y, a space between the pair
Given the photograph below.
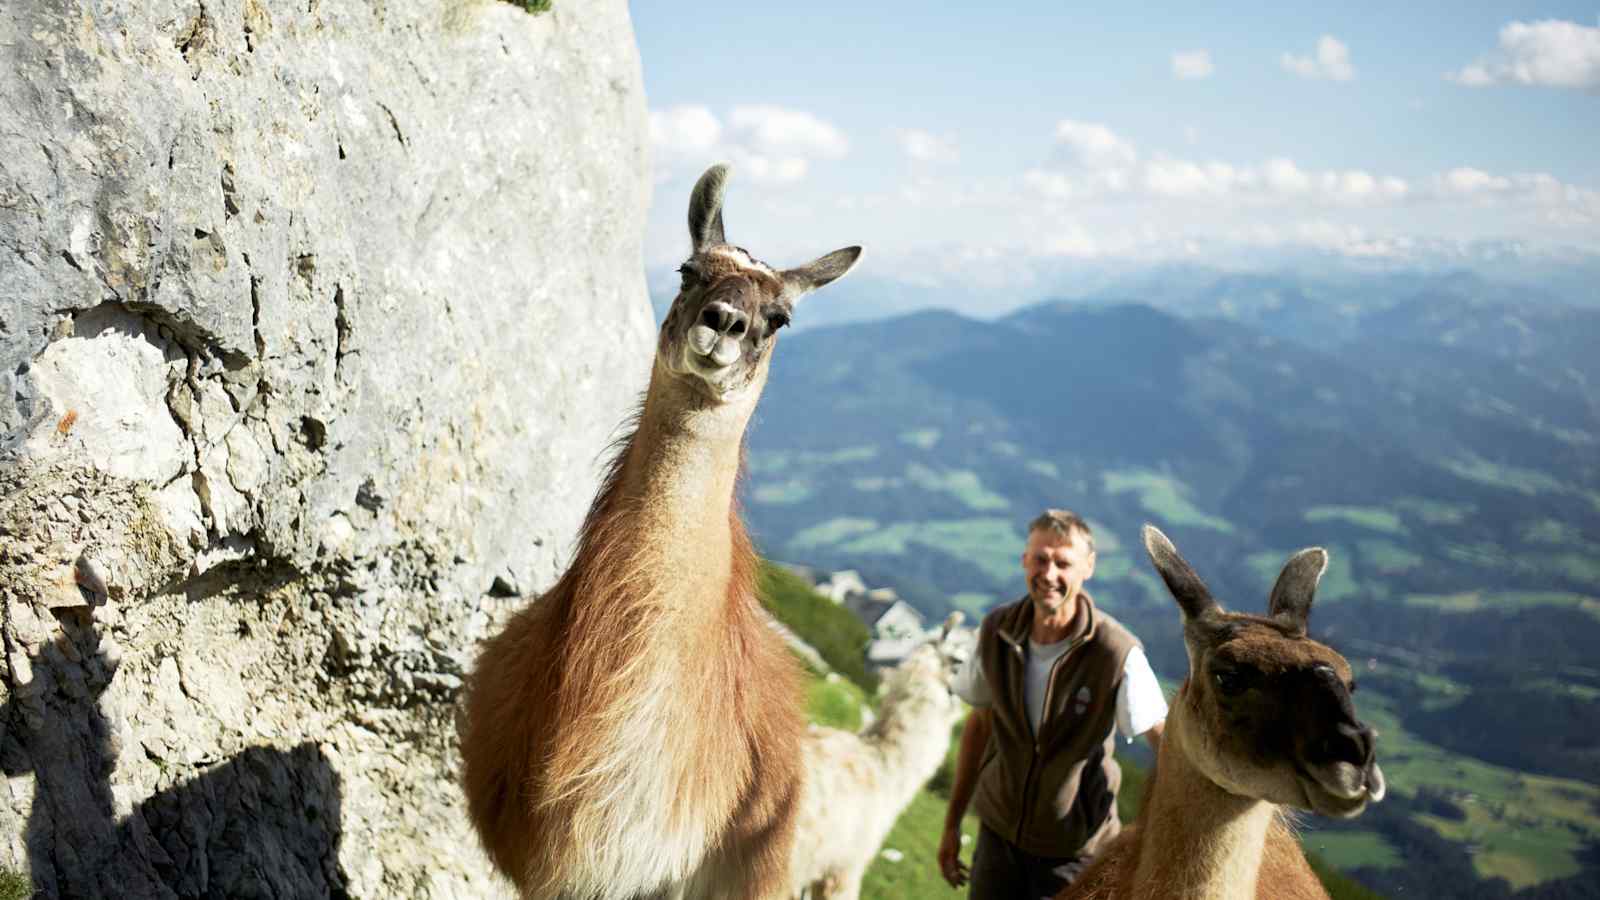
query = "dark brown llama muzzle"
x=1335 y=753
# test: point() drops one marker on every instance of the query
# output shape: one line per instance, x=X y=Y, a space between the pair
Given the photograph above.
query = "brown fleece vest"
x=1054 y=793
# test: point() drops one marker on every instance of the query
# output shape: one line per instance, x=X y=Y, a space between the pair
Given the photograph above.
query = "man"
x=1053 y=679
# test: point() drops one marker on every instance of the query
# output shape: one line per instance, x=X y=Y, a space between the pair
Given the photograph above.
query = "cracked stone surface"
x=315 y=321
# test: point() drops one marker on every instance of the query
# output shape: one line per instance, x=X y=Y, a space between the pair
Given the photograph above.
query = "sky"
x=951 y=139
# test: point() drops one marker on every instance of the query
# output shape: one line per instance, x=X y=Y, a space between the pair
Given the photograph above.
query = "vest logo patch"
x=1081 y=702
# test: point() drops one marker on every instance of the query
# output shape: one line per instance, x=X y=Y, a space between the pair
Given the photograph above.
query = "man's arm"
x=1141 y=705
x=974 y=738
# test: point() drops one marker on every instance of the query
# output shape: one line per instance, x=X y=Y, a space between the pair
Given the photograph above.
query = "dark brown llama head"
x=1267 y=711
x=720 y=330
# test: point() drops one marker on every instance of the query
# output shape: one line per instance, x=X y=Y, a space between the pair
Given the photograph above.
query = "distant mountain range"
x=1234 y=285
x=1438 y=436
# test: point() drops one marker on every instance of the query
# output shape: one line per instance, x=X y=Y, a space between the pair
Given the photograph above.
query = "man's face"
x=1056 y=568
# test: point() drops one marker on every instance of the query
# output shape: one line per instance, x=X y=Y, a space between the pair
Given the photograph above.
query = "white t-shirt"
x=1140 y=703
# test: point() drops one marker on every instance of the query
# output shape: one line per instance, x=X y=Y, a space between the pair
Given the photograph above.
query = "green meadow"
x=1164 y=497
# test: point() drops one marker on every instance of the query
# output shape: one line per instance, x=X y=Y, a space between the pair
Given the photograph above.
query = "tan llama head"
x=933 y=664
x=720 y=330
x=1267 y=712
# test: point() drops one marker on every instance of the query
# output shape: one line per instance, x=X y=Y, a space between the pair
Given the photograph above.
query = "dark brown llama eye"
x=1231 y=683
x=777 y=320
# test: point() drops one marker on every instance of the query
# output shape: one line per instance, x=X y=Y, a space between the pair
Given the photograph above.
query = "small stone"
x=92 y=579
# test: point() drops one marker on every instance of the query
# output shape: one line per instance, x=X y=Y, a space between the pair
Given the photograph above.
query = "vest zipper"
x=1044 y=716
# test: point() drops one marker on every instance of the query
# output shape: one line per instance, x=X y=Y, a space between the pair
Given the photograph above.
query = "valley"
x=1441 y=444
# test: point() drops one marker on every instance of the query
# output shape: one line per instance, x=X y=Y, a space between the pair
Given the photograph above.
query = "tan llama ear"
x=1193 y=597
x=801 y=281
x=951 y=623
x=705 y=208
x=1296 y=587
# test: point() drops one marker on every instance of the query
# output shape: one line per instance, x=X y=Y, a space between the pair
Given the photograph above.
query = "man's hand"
x=950 y=864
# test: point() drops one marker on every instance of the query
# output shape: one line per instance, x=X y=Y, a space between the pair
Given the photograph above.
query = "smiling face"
x=1267 y=712
x=1056 y=566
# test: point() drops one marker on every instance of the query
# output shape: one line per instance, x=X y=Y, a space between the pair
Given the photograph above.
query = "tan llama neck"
x=679 y=475
x=910 y=733
x=1199 y=841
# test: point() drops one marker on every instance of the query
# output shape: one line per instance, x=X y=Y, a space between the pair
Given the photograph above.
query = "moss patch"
x=15 y=885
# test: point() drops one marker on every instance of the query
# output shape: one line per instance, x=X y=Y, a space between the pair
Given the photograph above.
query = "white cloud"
x=1332 y=61
x=768 y=169
x=924 y=146
x=1550 y=53
x=1283 y=176
x=1192 y=64
x=1551 y=200
x=684 y=130
x=1183 y=178
x=767 y=144
x=1093 y=161
x=1466 y=182
x=1073 y=241
x=775 y=129
x=1094 y=145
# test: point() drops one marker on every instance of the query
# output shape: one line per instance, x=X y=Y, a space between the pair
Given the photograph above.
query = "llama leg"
x=847 y=885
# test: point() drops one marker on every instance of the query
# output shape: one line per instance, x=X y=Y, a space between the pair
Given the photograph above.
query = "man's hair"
x=1062 y=522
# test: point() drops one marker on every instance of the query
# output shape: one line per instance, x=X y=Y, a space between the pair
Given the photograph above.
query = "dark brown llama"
x=1264 y=720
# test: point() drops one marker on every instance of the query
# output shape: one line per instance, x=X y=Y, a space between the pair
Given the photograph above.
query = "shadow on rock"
x=264 y=823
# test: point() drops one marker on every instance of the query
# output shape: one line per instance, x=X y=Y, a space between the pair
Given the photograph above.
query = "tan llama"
x=636 y=732
x=856 y=785
x=1264 y=721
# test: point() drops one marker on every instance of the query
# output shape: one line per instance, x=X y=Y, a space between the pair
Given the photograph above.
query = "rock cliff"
x=315 y=321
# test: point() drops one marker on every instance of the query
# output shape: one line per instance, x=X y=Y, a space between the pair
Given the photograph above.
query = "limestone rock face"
x=315 y=321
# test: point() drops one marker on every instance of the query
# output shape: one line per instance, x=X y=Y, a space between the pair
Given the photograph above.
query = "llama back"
x=856 y=785
x=841 y=809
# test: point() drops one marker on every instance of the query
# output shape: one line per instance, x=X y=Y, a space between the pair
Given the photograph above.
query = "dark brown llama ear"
x=1297 y=587
x=803 y=280
x=1193 y=597
x=705 y=208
